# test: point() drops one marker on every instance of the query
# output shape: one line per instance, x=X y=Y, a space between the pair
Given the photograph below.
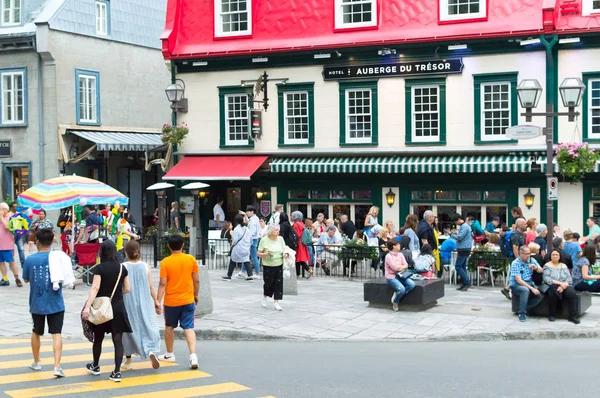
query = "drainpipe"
x=40 y=108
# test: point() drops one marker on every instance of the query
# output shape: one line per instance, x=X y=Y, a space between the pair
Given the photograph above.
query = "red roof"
x=293 y=25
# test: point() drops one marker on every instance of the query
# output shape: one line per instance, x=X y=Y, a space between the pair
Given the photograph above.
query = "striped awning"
x=397 y=164
x=120 y=141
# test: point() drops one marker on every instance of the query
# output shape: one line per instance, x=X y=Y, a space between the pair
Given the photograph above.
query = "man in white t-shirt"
x=219 y=214
x=274 y=220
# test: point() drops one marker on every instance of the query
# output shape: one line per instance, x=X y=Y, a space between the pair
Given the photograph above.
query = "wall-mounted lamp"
x=390 y=197
x=529 y=198
x=176 y=96
x=259 y=195
x=202 y=194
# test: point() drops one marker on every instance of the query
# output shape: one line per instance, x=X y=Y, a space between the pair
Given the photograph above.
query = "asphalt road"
x=549 y=368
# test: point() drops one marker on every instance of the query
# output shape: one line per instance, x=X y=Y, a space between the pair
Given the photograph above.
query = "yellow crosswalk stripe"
x=23 y=363
x=20 y=341
x=200 y=391
x=48 y=348
x=63 y=389
x=39 y=376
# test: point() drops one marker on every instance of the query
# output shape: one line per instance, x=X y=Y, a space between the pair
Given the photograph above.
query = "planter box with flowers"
x=576 y=159
x=174 y=135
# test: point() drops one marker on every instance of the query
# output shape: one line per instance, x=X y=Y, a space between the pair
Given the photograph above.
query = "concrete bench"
x=425 y=294
x=584 y=301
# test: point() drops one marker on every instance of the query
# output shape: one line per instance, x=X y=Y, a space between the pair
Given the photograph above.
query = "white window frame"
x=413 y=134
x=339 y=15
x=590 y=126
x=10 y=11
x=286 y=139
x=445 y=16
x=229 y=141
x=362 y=140
x=587 y=7
x=101 y=23
x=9 y=118
x=219 y=20
x=483 y=135
x=90 y=91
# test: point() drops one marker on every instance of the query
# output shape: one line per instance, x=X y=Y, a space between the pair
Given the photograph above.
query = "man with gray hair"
x=348 y=228
x=329 y=248
x=521 y=284
x=425 y=230
x=7 y=245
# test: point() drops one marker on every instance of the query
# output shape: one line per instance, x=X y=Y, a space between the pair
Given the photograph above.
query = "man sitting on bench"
x=521 y=284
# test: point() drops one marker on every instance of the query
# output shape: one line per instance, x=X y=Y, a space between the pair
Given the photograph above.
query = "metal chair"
x=450 y=269
x=220 y=248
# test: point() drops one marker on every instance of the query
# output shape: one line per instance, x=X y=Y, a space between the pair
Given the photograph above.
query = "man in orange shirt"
x=179 y=285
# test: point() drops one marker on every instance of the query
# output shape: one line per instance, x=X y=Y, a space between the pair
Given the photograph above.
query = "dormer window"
x=11 y=12
x=589 y=7
x=462 y=10
x=355 y=13
x=233 y=18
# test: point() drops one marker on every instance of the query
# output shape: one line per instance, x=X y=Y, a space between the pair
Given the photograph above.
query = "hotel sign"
x=415 y=68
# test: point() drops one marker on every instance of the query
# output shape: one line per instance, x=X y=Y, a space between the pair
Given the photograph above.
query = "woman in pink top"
x=7 y=245
x=395 y=263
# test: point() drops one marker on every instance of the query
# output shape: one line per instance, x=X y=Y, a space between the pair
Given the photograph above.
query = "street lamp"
x=175 y=94
x=530 y=92
x=195 y=189
x=160 y=189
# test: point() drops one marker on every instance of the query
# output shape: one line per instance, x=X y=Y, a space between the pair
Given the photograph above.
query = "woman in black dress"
x=105 y=278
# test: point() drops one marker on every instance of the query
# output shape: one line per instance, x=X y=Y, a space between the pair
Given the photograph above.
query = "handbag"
x=101 y=310
x=404 y=274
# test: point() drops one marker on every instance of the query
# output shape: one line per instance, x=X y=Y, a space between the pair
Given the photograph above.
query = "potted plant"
x=576 y=159
x=353 y=250
x=174 y=135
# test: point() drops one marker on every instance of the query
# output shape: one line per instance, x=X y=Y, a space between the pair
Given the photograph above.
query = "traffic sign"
x=552 y=188
x=523 y=132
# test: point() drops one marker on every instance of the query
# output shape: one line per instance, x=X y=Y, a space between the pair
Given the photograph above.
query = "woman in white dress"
x=141 y=308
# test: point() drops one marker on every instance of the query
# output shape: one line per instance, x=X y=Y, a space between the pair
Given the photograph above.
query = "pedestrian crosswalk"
x=171 y=380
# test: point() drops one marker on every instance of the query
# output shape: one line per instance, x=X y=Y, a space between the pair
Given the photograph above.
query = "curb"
x=235 y=335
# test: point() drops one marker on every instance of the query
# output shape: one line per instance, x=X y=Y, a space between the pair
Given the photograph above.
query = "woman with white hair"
x=271 y=249
x=302 y=256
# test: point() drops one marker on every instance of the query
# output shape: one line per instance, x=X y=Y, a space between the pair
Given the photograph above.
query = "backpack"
x=291 y=239
x=423 y=263
x=307 y=236
x=506 y=246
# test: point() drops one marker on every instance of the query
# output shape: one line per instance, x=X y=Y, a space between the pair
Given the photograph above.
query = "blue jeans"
x=19 y=242
x=524 y=297
x=311 y=254
x=461 y=267
x=254 y=257
x=401 y=286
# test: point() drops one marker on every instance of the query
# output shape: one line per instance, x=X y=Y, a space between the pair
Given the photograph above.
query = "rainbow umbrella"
x=67 y=191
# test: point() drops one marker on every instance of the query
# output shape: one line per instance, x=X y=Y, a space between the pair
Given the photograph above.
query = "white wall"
x=535 y=211
x=203 y=96
x=570 y=212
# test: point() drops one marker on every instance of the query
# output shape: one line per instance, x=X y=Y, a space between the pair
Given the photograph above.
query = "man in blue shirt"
x=446 y=250
x=44 y=302
x=572 y=247
x=464 y=244
x=521 y=284
x=492 y=226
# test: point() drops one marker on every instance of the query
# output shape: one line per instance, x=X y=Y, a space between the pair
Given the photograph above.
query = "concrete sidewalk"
x=328 y=308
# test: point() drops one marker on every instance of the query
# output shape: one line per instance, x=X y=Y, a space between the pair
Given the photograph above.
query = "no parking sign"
x=552 y=188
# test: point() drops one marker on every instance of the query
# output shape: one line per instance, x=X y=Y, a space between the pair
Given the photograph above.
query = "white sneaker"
x=36 y=366
x=127 y=365
x=241 y=275
x=395 y=306
x=277 y=307
x=257 y=277
x=166 y=358
x=394 y=297
x=264 y=302
x=193 y=361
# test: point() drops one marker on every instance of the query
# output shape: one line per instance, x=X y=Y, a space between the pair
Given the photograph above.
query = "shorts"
x=6 y=256
x=55 y=323
x=182 y=315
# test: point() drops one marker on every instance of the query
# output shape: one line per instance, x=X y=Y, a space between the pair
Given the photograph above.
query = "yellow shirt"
x=178 y=269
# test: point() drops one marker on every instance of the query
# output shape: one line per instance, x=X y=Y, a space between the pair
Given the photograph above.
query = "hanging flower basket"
x=576 y=159
x=174 y=135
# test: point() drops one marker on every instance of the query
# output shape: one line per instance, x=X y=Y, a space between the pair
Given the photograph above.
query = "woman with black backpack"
x=302 y=256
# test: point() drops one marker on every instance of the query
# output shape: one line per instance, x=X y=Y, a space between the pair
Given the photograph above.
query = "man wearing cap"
x=540 y=238
x=492 y=226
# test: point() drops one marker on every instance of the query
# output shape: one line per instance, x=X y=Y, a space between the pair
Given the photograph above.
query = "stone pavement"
x=327 y=308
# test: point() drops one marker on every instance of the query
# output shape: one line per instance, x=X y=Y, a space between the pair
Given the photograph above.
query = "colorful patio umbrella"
x=60 y=192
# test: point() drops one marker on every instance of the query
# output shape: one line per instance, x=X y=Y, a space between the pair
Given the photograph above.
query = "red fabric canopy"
x=215 y=168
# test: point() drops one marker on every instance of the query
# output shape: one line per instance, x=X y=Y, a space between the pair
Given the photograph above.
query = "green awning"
x=397 y=164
